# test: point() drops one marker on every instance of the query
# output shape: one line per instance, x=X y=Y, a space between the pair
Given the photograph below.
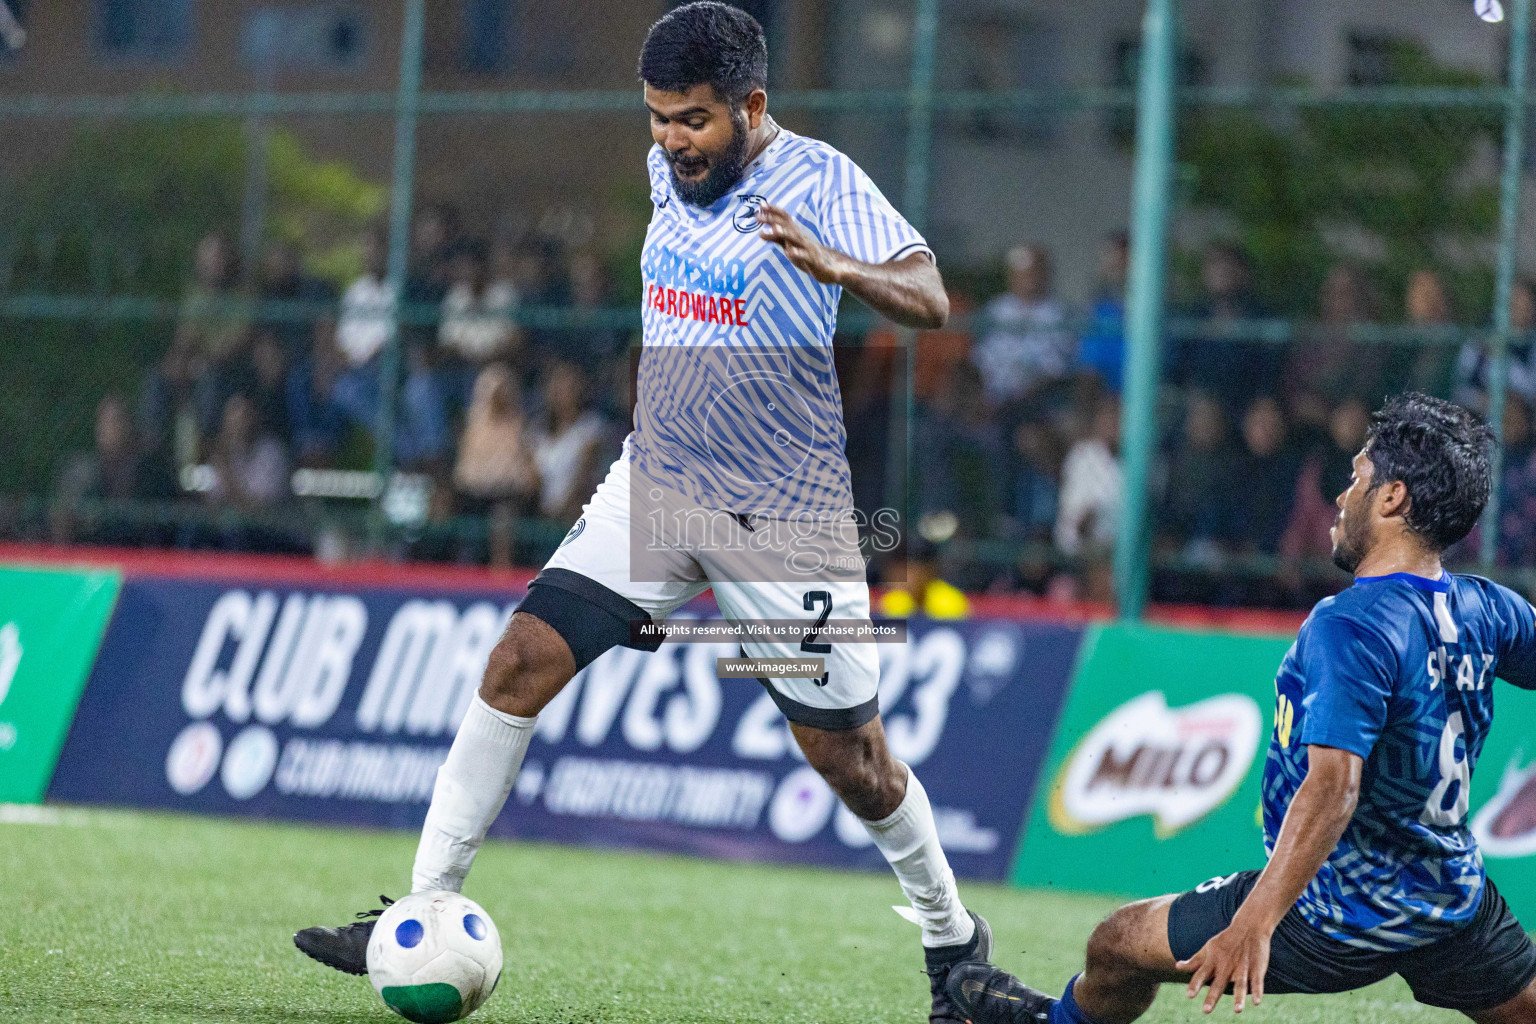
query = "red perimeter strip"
x=419 y=576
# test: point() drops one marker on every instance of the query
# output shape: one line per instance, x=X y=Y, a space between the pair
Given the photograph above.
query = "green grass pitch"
x=121 y=917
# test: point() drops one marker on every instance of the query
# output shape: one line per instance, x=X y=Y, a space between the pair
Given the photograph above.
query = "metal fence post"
x=407 y=100
x=925 y=30
x=1151 y=199
x=1504 y=281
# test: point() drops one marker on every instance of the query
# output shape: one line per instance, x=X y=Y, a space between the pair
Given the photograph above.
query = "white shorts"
x=745 y=562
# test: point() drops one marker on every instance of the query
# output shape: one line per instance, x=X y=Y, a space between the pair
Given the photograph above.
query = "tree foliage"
x=1389 y=188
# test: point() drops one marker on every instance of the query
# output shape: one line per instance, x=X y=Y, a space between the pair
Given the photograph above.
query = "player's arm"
x=1517 y=654
x=1313 y=824
x=907 y=290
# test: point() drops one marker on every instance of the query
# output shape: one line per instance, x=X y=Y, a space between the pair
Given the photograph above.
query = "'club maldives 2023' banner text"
x=338 y=705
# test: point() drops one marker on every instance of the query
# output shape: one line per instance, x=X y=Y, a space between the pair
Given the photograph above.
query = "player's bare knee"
x=1113 y=948
x=858 y=768
x=524 y=670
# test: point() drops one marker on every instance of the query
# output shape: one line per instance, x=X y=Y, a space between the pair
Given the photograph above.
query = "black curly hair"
x=706 y=42
x=1440 y=452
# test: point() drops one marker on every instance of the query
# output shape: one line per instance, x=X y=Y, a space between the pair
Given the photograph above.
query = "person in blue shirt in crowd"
x=1382 y=707
x=1101 y=350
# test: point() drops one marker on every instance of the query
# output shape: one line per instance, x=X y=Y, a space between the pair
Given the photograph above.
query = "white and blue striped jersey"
x=737 y=401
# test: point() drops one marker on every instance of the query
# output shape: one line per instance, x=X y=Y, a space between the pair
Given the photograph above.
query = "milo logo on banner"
x=1175 y=764
x=1505 y=826
x=1156 y=763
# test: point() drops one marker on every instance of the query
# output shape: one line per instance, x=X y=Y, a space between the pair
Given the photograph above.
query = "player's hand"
x=799 y=245
x=1238 y=955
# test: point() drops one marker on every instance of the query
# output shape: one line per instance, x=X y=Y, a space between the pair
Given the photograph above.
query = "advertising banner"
x=338 y=705
x=51 y=622
x=1503 y=809
x=1152 y=781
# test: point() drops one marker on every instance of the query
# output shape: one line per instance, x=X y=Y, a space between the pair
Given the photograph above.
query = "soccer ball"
x=434 y=957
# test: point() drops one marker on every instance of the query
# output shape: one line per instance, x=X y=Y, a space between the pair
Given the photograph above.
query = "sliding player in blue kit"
x=1382 y=706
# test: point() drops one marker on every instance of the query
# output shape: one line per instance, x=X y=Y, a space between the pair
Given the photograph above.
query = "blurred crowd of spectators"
x=1017 y=410
x=274 y=371
x=1020 y=432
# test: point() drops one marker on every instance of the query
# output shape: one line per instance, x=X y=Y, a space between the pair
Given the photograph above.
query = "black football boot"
x=983 y=994
x=344 y=948
x=942 y=960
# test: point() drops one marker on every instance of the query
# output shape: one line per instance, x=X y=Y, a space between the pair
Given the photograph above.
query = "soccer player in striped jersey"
x=734 y=477
x=1381 y=709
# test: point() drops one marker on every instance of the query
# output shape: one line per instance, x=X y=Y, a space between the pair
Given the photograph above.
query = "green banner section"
x=51 y=624
x=1503 y=813
x=1152 y=781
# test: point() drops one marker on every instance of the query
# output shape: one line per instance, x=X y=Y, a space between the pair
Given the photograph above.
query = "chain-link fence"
x=363 y=279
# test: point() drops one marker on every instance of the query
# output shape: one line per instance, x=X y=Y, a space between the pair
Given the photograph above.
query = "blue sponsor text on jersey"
x=680 y=269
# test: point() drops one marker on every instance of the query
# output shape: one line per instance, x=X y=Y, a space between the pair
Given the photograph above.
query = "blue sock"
x=1066 y=1011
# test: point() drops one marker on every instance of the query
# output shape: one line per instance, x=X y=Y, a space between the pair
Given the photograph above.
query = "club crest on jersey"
x=745 y=220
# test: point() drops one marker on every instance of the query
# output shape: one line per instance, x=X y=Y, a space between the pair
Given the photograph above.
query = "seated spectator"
x=1025 y=346
x=914 y=586
x=1474 y=363
x=250 y=468
x=1230 y=369
x=266 y=382
x=542 y=282
x=283 y=280
x=1195 y=513
x=495 y=472
x=422 y=439
x=1036 y=485
x=1101 y=351
x=880 y=366
x=1266 y=471
x=1092 y=485
x=362 y=329
x=176 y=406
x=591 y=345
x=1517 y=508
x=962 y=452
x=117 y=469
x=476 y=326
x=1325 y=361
x=434 y=237
x=566 y=437
x=318 y=424
x=213 y=316
x=1427 y=306
x=1324 y=476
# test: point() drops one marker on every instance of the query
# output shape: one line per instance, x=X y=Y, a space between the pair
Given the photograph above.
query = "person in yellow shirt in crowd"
x=917 y=588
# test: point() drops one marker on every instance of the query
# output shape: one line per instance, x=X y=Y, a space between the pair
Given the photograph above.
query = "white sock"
x=472 y=785
x=910 y=842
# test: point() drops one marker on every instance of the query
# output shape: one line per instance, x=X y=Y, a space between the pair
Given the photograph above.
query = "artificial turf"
x=112 y=916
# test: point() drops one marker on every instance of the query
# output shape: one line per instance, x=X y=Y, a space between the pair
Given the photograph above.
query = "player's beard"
x=1351 y=539
x=724 y=170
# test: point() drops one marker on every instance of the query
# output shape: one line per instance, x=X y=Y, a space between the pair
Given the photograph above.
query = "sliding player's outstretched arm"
x=1316 y=819
x=909 y=289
